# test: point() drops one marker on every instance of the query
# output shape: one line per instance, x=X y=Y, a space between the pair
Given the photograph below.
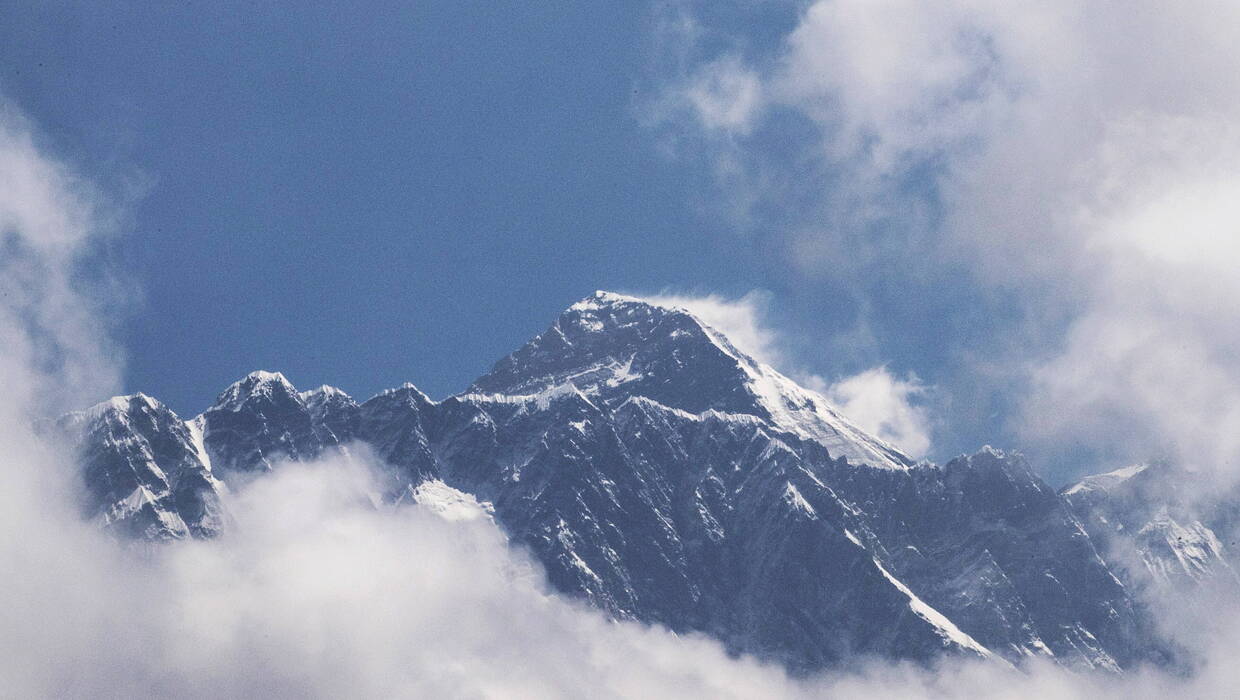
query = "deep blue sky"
x=408 y=193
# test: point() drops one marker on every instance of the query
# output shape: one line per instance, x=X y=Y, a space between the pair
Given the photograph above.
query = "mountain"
x=1163 y=533
x=145 y=470
x=614 y=347
x=665 y=476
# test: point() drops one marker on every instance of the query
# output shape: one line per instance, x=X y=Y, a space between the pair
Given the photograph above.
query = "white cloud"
x=316 y=594
x=725 y=95
x=741 y=320
x=1080 y=157
x=886 y=406
x=894 y=76
x=48 y=322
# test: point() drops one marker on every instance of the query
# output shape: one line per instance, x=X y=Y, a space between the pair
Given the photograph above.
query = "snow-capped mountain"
x=663 y=475
x=1160 y=530
x=146 y=471
x=613 y=346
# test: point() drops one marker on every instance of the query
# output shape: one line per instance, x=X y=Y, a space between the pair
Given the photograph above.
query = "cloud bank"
x=317 y=593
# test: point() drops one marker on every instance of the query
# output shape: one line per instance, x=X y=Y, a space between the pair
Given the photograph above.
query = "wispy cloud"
x=53 y=340
x=742 y=320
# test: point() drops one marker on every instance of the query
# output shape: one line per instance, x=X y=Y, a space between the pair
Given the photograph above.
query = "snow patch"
x=449 y=503
x=196 y=429
x=945 y=627
x=794 y=498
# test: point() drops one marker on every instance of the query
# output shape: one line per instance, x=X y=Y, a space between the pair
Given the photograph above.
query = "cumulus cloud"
x=1077 y=161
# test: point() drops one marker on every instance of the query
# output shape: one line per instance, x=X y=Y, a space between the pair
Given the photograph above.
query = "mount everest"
x=662 y=475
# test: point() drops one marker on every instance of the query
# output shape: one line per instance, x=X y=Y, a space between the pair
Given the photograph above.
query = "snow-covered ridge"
x=709 y=414
x=408 y=388
x=541 y=399
x=945 y=628
x=1181 y=549
x=809 y=414
x=602 y=298
x=117 y=404
x=850 y=442
x=1105 y=482
x=326 y=390
x=196 y=433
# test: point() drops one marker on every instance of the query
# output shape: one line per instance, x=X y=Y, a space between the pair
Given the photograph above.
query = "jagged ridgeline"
x=665 y=476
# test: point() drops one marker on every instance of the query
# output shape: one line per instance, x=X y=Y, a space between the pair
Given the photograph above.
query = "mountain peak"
x=665 y=476
x=262 y=376
x=613 y=347
x=260 y=385
x=323 y=391
x=602 y=297
x=625 y=309
x=609 y=312
x=610 y=344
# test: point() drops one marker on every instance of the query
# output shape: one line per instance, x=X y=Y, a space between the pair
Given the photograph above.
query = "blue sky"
x=364 y=198
x=409 y=193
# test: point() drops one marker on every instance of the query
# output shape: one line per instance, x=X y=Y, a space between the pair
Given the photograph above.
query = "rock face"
x=664 y=476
